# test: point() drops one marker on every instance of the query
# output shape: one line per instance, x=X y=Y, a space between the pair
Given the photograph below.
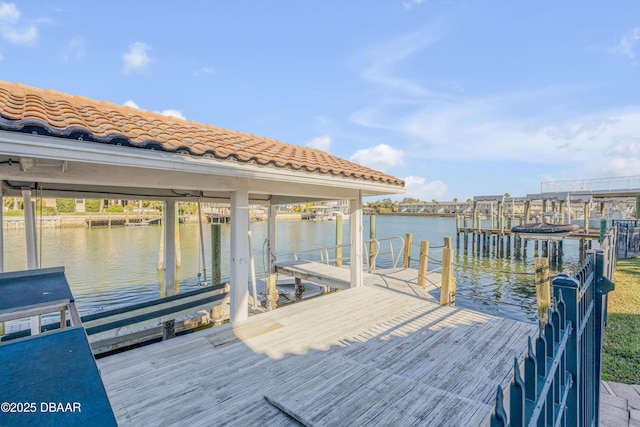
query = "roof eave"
x=47 y=147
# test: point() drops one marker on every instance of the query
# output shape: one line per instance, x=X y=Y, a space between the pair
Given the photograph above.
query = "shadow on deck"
x=362 y=356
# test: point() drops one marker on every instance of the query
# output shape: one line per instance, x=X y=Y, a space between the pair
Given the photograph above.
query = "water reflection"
x=117 y=266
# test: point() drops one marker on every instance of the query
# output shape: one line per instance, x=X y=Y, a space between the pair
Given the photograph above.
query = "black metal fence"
x=559 y=382
x=628 y=237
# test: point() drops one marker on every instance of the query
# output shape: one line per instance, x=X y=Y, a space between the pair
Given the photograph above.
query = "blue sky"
x=460 y=98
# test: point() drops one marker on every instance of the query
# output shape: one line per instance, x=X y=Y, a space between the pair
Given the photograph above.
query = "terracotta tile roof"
x=28 y=109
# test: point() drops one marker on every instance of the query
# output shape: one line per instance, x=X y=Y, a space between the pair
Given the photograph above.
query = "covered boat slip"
x=375 y=355
x=57 y=145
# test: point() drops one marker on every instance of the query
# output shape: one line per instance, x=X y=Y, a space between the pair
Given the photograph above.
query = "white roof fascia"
x=38 y=146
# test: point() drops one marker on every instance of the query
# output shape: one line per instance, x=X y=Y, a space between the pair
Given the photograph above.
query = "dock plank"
x=346 y=354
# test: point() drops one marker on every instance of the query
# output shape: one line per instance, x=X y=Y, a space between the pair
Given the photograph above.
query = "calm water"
x=117 y=266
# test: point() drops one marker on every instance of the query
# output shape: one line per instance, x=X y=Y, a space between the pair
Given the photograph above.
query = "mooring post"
x=216 y=269
x=422 y=265
x=447 y=288
x=177 y=240
x=339 y=241
x=586 y=217
x=543 y=289
x=372 y=245
x=488 y=249
x=160 y=250
x=407 y=250
x=299 y=289
x=475 y=220
x=603 y=229
x=466 y=240
x=527 y=212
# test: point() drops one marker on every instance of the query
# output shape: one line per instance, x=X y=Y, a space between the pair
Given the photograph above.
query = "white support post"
x=355 y=219
x=239 y=298
x=169 y=267
x=30 y=230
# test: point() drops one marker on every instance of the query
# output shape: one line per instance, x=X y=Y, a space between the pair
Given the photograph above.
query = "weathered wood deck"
x=384 y=354
x=403 y=279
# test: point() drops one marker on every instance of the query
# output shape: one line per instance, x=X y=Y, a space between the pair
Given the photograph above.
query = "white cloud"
x=627 y=166
x=136 y=58
x=381 y=157
x=9 y=13
x=131 y=103
x=168 y=112
x=9 y=31
x=382 y=60
x=173 y=113
x=418 y=188
x=411 y=3
x=75 y=49
x=627 y=45
x=322 y=143
x=204 y=71
x=524 y=126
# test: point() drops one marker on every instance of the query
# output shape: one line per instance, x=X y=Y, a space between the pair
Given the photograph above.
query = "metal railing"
x=561 y=380
x=587 y=185
x=628 y=237
x=373 y=251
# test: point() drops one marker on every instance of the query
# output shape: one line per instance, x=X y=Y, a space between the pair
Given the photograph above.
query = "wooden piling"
x=216 y=268
x=423 y=263
x=177 y=240
x=160 y=251
x=447 y=273
x=488 y=242
x=543 y=289
x=407 y=250
x=603 y=229
x=339 y=240
x=372 y=245
x=586 y=217
x=466 y=240
x=299 y=289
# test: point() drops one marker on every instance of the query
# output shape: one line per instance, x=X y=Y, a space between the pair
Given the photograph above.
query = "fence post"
x=447 y=273
x=569 y=288
x=543 y=289
x=604 y=285
x=407 y=250
x=422 y=267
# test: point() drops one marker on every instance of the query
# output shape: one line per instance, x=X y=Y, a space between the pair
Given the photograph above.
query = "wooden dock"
x=383 y=354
